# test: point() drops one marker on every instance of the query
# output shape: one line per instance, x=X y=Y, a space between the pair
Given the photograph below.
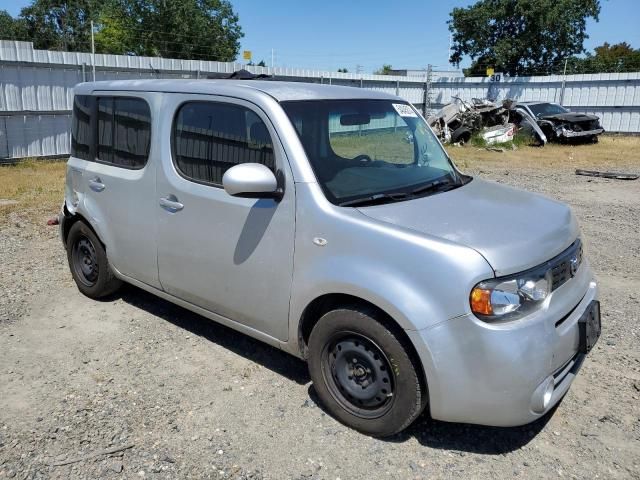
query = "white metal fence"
x=36 y=91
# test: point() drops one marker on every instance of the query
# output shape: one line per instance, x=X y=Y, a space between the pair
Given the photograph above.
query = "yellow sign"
x=490 y=71
x=246 y=54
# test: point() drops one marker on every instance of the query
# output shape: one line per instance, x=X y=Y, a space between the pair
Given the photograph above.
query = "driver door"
x=231 y=256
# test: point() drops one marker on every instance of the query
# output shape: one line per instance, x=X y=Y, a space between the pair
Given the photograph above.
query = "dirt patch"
x=198 y=400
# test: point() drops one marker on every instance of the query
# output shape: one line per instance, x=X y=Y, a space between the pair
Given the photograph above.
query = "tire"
x=88 y=263
x=461 y=135
x=363 y=373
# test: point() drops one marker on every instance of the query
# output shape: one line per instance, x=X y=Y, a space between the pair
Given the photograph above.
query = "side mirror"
x=251 y=180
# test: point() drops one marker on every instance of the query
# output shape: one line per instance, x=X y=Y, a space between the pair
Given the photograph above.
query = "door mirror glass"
x=251 y=180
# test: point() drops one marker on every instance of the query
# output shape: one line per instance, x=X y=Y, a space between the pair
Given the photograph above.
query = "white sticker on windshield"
x=404 y=110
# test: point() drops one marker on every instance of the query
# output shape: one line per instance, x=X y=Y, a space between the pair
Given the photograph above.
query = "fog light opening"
x=541 y=398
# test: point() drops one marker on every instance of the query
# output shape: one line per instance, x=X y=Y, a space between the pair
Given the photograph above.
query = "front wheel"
x=88 y=262
x=363 y=373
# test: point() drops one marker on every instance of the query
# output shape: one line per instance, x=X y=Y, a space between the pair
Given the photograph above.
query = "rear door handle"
x=96 y=184
x=171 y=204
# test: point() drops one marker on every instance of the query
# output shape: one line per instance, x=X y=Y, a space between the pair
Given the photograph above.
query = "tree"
x=60 y=24
x=261 y=63
x=343 y=70
x=385 y=70
x=192 y=29
x=520 y=37
x=11 y=28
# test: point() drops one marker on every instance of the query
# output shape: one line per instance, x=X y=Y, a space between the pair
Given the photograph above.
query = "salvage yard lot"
x=195 y=400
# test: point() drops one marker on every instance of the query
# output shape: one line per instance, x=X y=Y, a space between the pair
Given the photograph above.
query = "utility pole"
x=426 y=104
x=93 y=53
x=272 y=58
x=564 y=78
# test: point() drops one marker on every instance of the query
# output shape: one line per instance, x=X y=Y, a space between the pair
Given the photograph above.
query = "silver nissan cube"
x=329 y=222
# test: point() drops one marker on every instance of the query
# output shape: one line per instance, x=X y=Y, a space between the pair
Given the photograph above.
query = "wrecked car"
x=553 y=122
x=457 y=121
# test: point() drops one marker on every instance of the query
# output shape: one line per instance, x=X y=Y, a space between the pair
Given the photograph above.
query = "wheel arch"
x=332 y=301
x=71 y=219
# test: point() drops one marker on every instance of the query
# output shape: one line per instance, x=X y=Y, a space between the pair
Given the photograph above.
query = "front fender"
x=417 y=280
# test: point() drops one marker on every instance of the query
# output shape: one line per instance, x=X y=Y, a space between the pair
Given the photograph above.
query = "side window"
x=81 y=127
x=124 y=131
x=209 y=138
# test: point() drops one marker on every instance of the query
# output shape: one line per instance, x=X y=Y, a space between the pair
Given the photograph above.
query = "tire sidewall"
x=408 y=398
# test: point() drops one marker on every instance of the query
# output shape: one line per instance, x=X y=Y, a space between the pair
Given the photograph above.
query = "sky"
x=332 y=34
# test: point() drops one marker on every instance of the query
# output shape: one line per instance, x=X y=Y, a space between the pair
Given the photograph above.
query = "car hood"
x=570 y=117
x=512 y=229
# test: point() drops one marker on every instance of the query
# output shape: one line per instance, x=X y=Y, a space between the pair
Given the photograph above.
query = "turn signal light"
x=481 y=301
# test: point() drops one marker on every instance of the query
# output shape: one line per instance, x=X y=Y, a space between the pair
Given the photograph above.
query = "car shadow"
x=428 y=432
x=269 y=357
x=462 y=437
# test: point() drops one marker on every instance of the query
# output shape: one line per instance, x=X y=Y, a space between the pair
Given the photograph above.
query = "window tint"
x=209 y=138
x=81 y=127
x=124 y=131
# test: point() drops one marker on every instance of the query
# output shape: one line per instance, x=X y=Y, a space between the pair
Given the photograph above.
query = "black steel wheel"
x=365 y=372
x=85 y=261
x=88 y=262
x=358 y=374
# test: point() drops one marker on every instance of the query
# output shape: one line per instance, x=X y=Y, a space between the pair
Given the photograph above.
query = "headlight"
x=510 y=298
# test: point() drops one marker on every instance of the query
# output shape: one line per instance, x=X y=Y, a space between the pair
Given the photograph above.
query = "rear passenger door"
x=232 y=256
x=120 y=183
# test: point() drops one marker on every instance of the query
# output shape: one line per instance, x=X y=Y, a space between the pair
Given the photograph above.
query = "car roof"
x=534 y=103
x=281 y=91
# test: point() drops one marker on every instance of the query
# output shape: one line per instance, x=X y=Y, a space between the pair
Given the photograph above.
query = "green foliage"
x=192 y=29
x=620 y=57
x=11 y=28
x=60 y=24
x=520 y=37
x=343 y=70
x=385 y=70
x=261 y=63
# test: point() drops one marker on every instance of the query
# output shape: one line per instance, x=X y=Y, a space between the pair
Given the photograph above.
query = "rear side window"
x=209 y=138
x=81 y=137
x=124 y=131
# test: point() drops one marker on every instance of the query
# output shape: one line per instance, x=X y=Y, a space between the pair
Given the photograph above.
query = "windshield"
x=371 y=151
x=544 y=109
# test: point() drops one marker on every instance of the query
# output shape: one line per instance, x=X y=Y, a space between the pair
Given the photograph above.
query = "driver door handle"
x=171 y=204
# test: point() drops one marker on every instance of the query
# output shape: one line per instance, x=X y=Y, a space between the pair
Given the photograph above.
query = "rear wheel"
x=363 y=373
x=88 y=262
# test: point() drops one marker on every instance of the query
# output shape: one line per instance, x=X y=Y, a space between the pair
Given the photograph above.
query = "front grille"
x=586 y=125
x=565 y=265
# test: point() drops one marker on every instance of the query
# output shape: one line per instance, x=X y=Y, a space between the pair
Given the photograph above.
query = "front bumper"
x=496 y=374
x=583 y=133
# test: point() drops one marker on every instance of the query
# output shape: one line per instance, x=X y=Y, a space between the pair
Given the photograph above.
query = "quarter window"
x=124 y=131
x=81 y=127
x=209 y=138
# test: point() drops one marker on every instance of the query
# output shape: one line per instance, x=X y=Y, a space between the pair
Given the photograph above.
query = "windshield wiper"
x=376 y=199
x=380 y=198
x=436 y=186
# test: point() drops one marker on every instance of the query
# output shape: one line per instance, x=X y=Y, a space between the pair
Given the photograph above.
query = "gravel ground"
x=134 y=387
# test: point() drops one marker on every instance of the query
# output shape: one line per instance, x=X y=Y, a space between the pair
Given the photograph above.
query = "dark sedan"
x=559 y=124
